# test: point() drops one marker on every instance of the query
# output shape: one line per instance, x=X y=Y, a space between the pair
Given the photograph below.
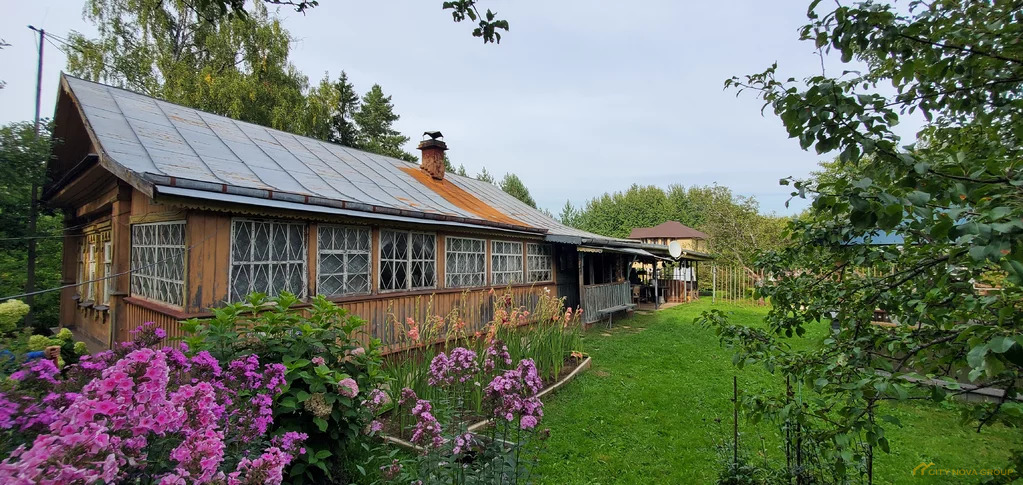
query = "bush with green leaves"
x=941 y=212
x=11 y=313
x=329 y=372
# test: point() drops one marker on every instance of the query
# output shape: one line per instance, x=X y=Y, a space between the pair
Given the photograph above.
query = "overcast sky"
x=581 y=97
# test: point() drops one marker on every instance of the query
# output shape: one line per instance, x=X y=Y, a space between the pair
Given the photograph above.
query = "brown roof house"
x=665 y=233
x=171 y=212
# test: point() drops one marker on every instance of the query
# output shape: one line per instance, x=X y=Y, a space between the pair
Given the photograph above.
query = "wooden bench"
x=610 y=311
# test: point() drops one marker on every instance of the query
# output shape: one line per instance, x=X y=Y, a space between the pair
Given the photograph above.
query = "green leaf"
x=321 y=424
x=1001 y=344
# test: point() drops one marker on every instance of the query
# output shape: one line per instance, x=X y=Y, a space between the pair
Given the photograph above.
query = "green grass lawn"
x=657 y=401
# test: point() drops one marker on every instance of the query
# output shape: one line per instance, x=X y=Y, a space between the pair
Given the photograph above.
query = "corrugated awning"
x=632 y=251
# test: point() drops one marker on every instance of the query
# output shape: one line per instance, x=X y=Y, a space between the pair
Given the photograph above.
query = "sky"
x=581 y=97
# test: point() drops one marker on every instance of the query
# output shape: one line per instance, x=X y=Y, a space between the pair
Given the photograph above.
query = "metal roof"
x=157 y=144
x=669 y=229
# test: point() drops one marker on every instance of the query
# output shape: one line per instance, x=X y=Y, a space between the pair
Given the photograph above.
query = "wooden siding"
x=207 y=273
x=474 y=307
x=208 y=235
x=139 y=313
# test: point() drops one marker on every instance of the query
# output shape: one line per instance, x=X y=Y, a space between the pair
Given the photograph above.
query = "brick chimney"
x=433 y=154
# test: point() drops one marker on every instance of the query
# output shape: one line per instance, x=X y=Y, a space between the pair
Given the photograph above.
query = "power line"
x=131 y=270
x=53 y=236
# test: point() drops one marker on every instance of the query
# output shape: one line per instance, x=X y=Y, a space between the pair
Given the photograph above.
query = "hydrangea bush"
x=135 y=414
x=11 y=313
x=331 y=377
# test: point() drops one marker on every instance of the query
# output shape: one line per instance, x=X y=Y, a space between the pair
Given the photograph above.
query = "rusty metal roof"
x=157 y=144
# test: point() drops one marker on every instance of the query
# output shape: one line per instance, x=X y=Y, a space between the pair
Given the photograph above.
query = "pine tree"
x=374 y=119
x=513 y=185
x=461 y=171
x=343 y=128
x=485 y=176
x=569 y=215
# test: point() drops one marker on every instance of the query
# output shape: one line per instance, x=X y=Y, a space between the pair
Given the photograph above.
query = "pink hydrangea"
x=348 y=387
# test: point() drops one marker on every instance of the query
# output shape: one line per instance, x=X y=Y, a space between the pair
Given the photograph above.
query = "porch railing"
x=599 y=297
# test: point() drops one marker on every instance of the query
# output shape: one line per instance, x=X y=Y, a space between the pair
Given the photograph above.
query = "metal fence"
x=734 y=283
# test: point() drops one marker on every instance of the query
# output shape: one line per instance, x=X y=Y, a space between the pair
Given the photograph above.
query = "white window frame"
x=90 y=273
x=303 y=261
x=81 y=271
x=547 y=260
x=343 y=254
x=408 y=260
x=108 y=264
x=160 y=259
x=448 y=253
x=498 y=278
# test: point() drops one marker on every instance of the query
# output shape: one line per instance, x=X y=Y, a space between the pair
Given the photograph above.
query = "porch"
x=618 y=279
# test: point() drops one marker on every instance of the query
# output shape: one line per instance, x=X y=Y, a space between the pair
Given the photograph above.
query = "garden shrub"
x=11 y=313
x=329 y=372
x=135 y=414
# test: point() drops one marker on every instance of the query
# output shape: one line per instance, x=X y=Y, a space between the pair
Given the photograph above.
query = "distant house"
x=171 y=212
x=665 y=233
x=682 y=284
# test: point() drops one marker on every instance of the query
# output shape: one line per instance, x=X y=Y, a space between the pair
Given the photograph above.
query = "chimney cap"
x=433 y=134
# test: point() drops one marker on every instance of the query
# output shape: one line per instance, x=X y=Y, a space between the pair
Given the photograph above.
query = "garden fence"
x=734 y=283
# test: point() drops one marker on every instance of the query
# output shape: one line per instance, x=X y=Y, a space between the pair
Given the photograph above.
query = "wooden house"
x=665 y=233
x=681 y=283
x=171 y=211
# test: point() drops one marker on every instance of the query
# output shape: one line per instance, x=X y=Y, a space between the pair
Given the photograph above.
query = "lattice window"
x=465 y=262
x=158 y=261
x=343 y=261
x=539 y=262
x=267 y=257
x=407 y=260
x=505 y=262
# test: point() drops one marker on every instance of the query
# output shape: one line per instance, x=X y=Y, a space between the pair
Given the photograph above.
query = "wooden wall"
x=207 y=261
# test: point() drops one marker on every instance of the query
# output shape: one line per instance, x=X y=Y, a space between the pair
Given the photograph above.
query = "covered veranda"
x=617 y=279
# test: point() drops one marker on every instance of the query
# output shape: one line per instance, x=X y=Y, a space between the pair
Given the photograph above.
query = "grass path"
x=657 y=400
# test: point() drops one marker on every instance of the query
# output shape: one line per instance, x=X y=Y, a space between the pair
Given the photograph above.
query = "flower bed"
x=258 y=394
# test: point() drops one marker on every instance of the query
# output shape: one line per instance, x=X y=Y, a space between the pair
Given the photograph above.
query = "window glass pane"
x=267 y=257
x=540 y=262
x=158 y=261
x=407 y=260
x=344 y=260
x=465 y=262
x=506 y=262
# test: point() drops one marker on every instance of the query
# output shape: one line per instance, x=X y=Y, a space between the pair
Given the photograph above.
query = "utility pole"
x=33 y=209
